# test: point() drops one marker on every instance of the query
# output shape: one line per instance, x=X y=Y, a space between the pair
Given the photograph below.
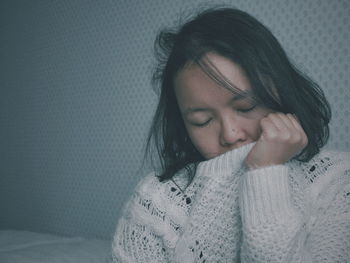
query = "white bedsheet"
x=30 y=247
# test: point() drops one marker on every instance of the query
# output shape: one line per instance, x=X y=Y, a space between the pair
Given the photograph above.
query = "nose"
x=231 y=133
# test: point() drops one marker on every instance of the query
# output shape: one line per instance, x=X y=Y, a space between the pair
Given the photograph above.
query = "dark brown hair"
x=241 y=38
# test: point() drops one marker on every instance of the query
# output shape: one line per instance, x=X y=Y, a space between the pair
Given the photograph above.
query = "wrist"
x=253 y=165
x=266 y=195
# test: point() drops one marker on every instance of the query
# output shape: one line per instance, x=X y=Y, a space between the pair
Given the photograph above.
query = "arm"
x=213 y=231
x=205 y=216
x=135 y=243
x=272 y=228
x=275 y=231
x=330 y=235
x=136 y=239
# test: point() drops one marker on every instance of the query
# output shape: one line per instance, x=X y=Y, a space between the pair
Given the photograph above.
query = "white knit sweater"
x=297 y=212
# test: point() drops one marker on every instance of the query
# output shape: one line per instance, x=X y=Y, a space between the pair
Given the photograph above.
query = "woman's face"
x=217 y=120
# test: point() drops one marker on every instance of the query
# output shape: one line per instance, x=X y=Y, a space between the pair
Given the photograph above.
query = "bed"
x=29 y=247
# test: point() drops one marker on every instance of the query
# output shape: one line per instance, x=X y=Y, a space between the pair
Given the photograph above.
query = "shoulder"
x=151 y=187
x=152 y=197
x=337 y=157
x=148 y=184
x=331 y=163
x=154 y=206
x=146 y=190
x=325 y=163
x=327 y=173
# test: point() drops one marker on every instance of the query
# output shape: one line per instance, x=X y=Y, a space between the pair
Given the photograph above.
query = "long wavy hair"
x=275 y=81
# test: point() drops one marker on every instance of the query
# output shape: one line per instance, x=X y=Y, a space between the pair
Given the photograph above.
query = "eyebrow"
x=189 y=110
x=241 y=96
x=193 y=110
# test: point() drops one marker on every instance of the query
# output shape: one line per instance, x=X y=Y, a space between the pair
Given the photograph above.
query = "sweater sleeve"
x=136 y=239
x=213 y=230
x=136 y=243
x=201 y=224
x=275 y=231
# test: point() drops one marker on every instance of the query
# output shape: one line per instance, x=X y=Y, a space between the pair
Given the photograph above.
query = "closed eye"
x=202 y=124
x=244 y=110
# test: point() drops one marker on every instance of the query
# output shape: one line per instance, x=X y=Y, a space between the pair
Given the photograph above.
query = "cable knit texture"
x=296 y=212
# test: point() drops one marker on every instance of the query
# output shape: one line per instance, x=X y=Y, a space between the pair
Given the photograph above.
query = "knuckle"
x=280 y=114
x=286 y=136
x=264 y=121
x=271 y=114
x=300 y=139
x=305 y=140
x=270 y=136
x=296 y=138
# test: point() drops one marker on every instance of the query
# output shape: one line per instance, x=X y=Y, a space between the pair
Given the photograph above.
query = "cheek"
x=253 y=129
x=204 y=141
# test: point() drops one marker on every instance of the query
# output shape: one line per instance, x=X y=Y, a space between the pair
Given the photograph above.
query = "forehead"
x=192 y=83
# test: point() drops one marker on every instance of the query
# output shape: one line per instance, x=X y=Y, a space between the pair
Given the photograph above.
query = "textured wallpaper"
x=76 y=100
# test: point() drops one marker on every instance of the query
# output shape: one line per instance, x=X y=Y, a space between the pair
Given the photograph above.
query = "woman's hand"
x=282 y=138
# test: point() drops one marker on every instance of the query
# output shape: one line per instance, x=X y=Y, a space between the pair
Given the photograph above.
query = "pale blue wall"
x=76 y=101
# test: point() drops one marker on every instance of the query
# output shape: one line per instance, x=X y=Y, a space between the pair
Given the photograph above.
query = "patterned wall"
x=76 y=100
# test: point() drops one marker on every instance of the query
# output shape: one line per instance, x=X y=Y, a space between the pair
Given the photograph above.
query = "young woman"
x=238 y=130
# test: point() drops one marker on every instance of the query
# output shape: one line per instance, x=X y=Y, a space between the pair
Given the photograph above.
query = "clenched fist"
x=282 y=138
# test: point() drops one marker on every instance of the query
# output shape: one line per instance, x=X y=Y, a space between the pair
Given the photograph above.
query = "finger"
x=289 y=128
x=298 y=126
x=283 y=117
x=269 y=129
x=281 y=124
x=295 y=122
